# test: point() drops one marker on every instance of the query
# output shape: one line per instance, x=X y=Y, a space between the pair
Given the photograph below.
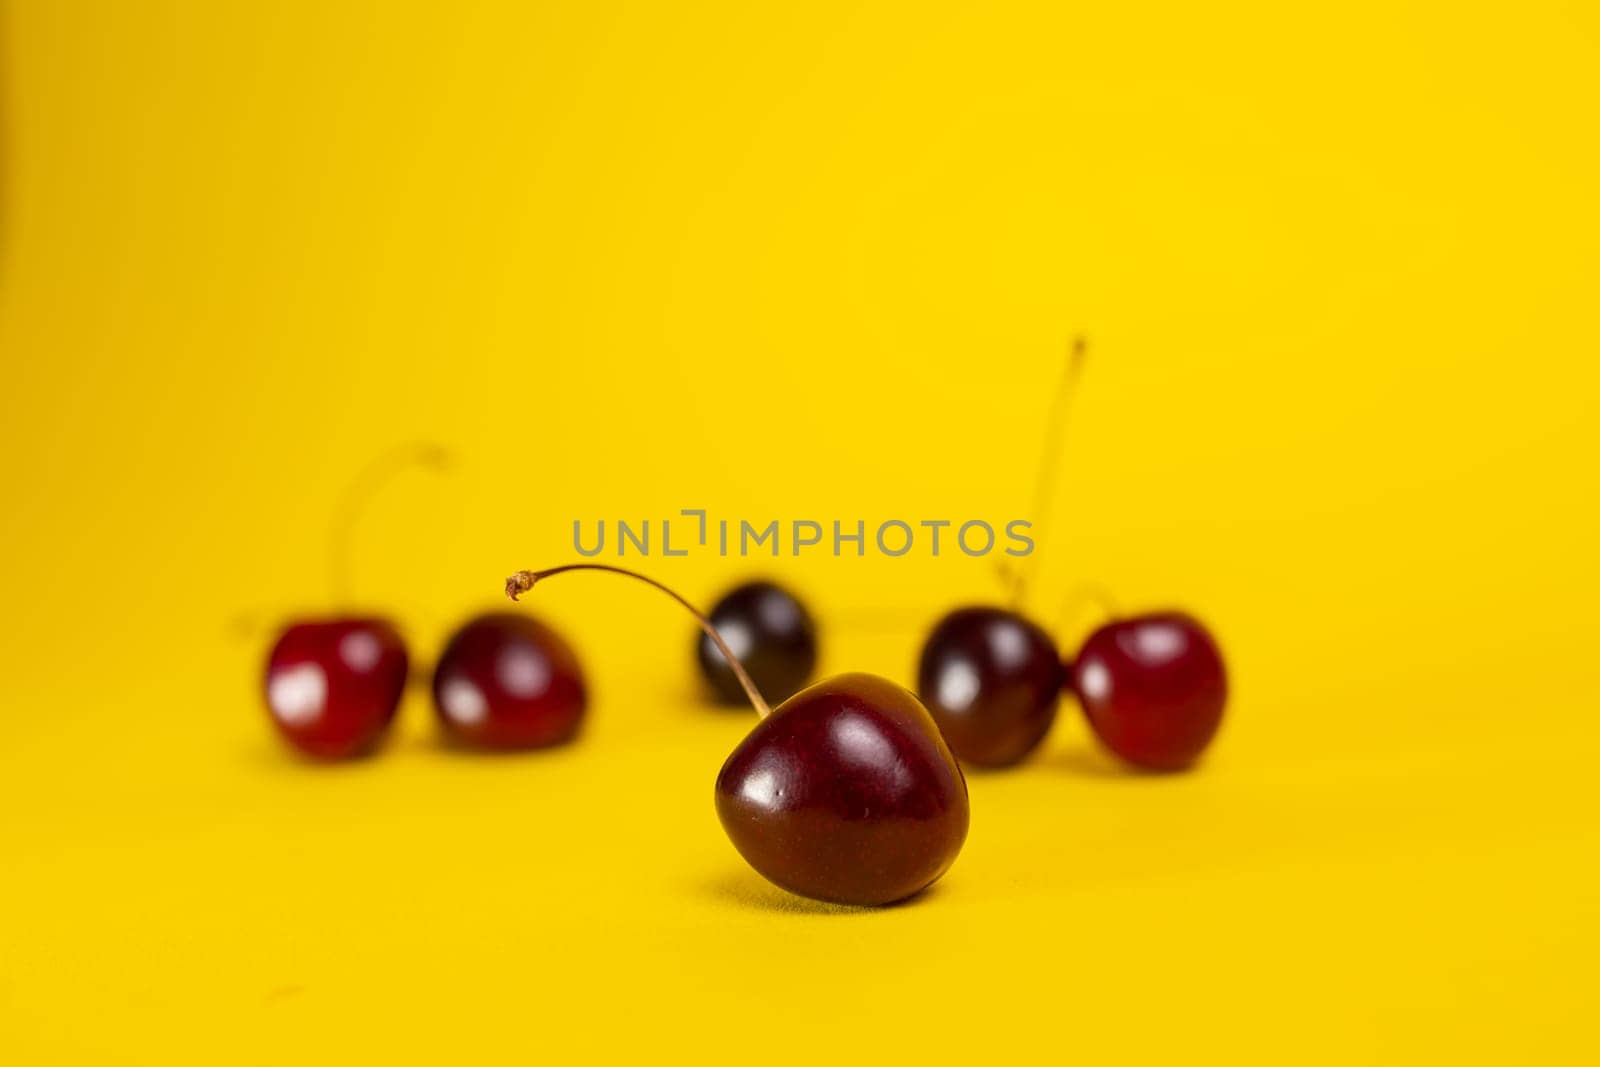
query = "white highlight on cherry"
x=463 y=702
x=780 y=613
x=858 y=740
x=523 y=672
x=1096 y=681
x=298 y=695
x=360 y=651
x=1009 y=643
x=1159 y=644
x=958 y=685
x=761 y=788
x=739 y=640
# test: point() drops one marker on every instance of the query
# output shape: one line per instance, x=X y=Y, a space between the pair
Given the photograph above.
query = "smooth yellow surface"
x=1339 y=264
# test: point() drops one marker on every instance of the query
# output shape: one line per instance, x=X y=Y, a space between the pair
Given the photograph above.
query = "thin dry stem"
x=522 y=581
x=358 y=495
x=1050 y=464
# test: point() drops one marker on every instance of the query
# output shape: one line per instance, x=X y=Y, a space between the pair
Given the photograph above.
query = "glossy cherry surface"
x=847 y=793
x=992 y=681
x=333 y=685
x=771 y=633
x=507 y=681
x=1153 y=688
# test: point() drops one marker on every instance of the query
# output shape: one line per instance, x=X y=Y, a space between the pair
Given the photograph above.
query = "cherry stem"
x=1050 y=462
x=358 y=495
x=522 y=581
x=1090 y=593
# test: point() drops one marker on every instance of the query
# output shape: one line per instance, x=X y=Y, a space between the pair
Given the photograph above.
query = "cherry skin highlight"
x=333 y=686
x=846 y=793
x=507 y=681
x=1153 y=688
x=992 y=681
x=773 y=635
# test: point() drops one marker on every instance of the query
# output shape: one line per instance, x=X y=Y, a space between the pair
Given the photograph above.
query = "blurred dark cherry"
x=333 y=685
x=1153 y=687
x=846 y=793
x=771 y=633
x=992 y=680
x=507 y=681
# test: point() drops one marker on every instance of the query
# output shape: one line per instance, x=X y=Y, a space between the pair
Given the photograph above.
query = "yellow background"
x=1339 y=264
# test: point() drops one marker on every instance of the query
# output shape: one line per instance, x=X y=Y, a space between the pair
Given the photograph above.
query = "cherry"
x=992 y=680
x=846 y=792
x=333 y=685
x=772 y=634
x=507 y=681
x=1153 y=688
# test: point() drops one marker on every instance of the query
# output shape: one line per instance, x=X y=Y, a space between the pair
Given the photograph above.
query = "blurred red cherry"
x=1153 y=688
x=507 y=681
x=332 y=686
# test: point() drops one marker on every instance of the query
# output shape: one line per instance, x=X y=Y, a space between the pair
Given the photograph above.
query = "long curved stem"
x=522 y=581
x=1050 y=460
x=358 y=494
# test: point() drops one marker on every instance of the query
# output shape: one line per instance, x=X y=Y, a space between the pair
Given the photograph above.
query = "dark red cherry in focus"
x=847 y=793
x=507 y=681
x=332 y=686
x=992 y=681
x=1153 y=688
x=771 y=633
